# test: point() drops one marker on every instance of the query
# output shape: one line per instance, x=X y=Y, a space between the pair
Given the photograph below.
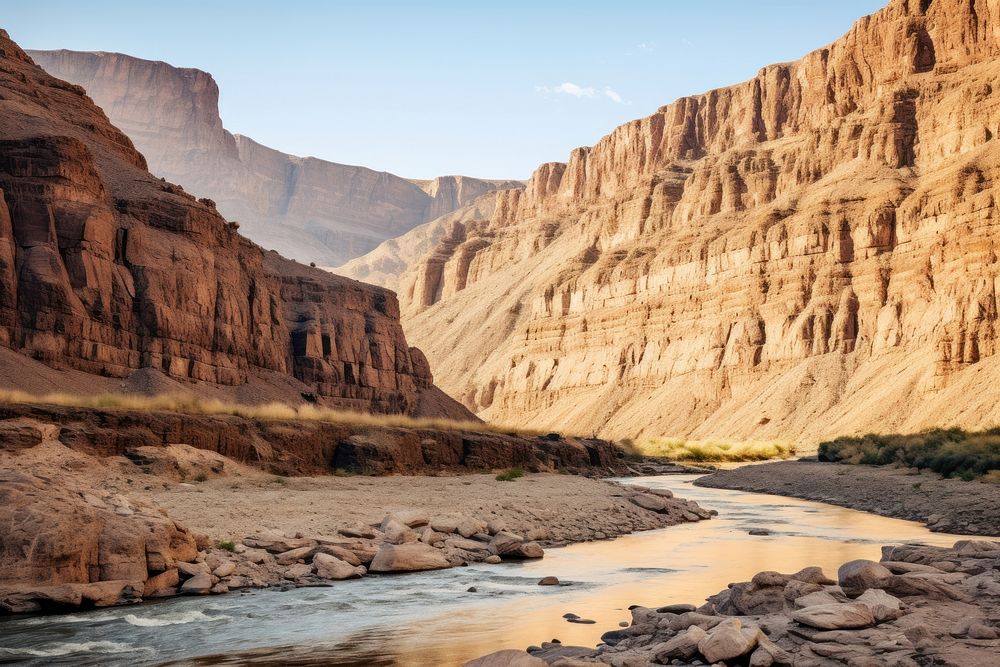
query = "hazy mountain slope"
x=305 y=208
x=808 y=253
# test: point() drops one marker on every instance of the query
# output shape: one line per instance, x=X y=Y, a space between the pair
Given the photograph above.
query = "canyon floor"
x=945 y=505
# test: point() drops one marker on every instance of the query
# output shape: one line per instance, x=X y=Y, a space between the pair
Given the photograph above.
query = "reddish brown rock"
x=107 y=269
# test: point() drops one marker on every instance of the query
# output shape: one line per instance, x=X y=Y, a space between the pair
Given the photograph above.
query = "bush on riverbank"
x=949 y=452
x=676 y=449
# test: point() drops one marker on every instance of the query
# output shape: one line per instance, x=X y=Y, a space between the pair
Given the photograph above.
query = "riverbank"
x=96 y=530
x=919 y=605
x=945 y=505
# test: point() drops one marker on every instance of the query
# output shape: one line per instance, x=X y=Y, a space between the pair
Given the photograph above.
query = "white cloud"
x=580 y=92
x=646 y=47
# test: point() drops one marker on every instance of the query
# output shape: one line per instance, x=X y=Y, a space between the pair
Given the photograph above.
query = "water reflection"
x=431 y=618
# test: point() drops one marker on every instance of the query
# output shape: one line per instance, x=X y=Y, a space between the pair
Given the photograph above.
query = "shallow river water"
x=431 y=619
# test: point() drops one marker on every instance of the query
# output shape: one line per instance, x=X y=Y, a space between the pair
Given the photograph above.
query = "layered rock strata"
x=772 y=259
x=305 y=208
x=107 y=269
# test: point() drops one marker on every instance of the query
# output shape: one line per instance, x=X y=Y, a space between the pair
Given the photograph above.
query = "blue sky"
x=489 y=89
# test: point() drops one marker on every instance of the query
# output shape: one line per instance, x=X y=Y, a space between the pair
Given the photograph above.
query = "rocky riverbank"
x=920 y=605
x=90 y=530
x=945 y=505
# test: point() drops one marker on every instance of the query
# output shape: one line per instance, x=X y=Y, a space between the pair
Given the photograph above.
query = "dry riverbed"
x=945 y=505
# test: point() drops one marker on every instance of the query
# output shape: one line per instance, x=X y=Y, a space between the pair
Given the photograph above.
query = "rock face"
x=308 y=209
x=63 y=546
x=764 y=260
x=106 y=269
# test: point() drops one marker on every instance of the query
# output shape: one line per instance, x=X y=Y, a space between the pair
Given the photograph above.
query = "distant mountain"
x=305 y=208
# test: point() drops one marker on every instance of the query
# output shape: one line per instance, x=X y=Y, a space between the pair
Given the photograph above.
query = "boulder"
x=396 y=532
x=728 y=640
x=293 y=556
x=297 y=571
x=199 y=584
x=649 y=502
x=884 y=607
x=276 y=544
x=857 y=576
x=224 y=569
x=192 y=569
x=849 y=615
x=683 y=646
x=331 y=567
x=161 y=585
x=341 y=553
x=548 y=581
x=412 y=518
x=358 y=530
x=411 y=557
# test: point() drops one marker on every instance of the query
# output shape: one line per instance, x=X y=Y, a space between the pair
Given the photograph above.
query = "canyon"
x=806 y=254
x=308 y=209
x=108 y=270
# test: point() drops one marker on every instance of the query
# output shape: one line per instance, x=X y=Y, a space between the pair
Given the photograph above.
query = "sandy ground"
x=947 y=505
x=546 y=507
x=226 y=500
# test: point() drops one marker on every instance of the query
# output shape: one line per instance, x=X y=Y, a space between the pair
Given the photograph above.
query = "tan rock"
x=683 y=646
x=407 y=558
x=836 y=616
x=727 y=640
x=331 y=567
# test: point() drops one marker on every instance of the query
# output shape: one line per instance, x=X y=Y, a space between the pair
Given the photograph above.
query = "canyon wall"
x=305 y=208
x=107 y=269
x=809 y=253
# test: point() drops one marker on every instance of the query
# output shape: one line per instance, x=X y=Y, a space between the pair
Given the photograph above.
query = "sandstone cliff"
x=305 y=208
x=808 y=253
x=107 y=269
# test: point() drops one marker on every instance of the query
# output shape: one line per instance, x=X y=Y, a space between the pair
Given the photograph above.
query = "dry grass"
x=677 y=449
x=186 y=404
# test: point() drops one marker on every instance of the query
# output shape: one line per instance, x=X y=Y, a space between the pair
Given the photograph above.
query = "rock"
x=408 y=558
x=471 y=589
x=836 y=616
x=768 y=653
x=359 y=530
x=297 y=571
x=727 y=640
x=492 y=559
x=495 y=526
x=649 y=502
x=293 y=556
x=199 y=584
x=856 y=576
x=982 y=631
x=469 y=527
x=582 y=621
x=412 y=518
x=224 y=569
x=675 y=608
x=684 y=646
x=508 y=658
x=277 y=544
x=331 y=567
x=446 y=524
x=759 y=531
x=467 y=545
x=256 y=556
x=397 y=533
x=219 y=589
x=340 y=553
x=548 y=581
x=884 y=607
x=192 y=569
x=527 y=550
x=161 y=585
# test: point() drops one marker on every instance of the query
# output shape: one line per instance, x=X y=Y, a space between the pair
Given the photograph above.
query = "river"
x=433 y=619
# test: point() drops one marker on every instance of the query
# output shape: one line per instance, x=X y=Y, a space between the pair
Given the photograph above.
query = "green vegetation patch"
x=949 y=452
x=510 y=475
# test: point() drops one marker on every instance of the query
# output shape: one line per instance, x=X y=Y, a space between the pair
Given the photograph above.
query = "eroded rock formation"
x=305 y=208
x=106 y=269
x=808 y=253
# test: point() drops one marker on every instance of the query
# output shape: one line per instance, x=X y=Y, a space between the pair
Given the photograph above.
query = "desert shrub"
x=674 y=449
x=227 y=545
x=949 y=452
x=510 y=475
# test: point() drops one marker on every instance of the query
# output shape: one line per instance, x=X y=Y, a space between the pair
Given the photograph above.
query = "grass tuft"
x=227 y=545
x=187 y=404
x=510 y=475
x=676 y=449
x=953 y=452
